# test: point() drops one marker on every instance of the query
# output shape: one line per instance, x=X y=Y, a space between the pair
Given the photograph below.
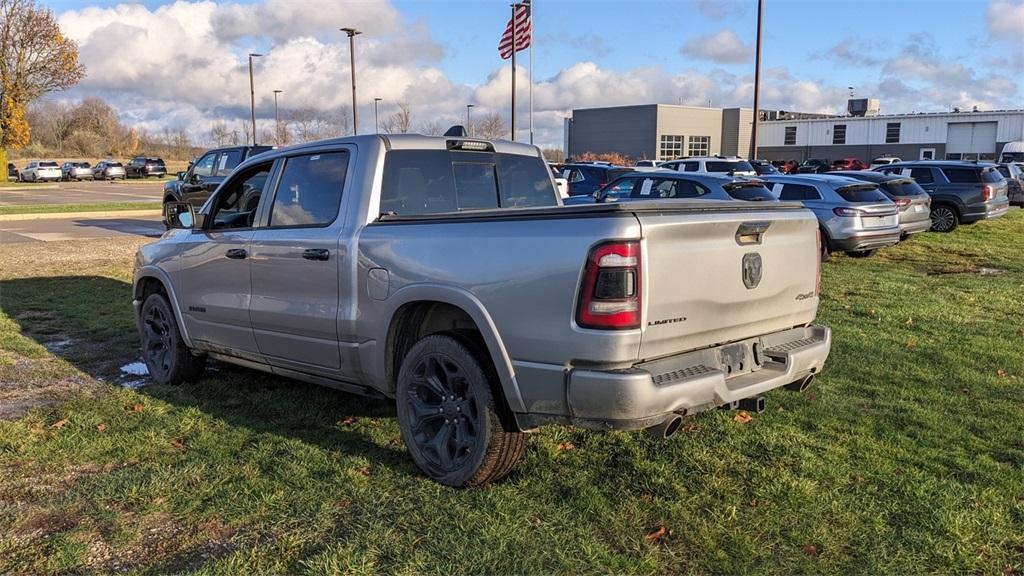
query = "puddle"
x=135 y=369
x=57 y=345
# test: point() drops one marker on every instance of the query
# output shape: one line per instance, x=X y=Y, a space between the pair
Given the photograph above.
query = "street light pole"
x=252 y=96
x=376 y=120
x=469 y=124
x=352 y=65
x=757 y=83
x=277 y=120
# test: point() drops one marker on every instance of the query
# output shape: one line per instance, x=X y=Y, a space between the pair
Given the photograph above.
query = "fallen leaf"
x=656 y=534
x=60 y=423
x=133 y=408
x=872 y=313
x=1001 y=373
x=176 y=444
x=909 y=322
x=910 y=344
x=365 y=470
x=566 y=446
x=101 y=426
x=348 y=421
x=811 y=550
x=742 y=417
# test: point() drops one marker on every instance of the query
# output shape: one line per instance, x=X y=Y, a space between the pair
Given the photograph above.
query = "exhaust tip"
x=801 y=385
x=667 y=428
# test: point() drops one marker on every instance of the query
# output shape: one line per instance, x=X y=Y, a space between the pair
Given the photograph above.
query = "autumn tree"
x=35 y=59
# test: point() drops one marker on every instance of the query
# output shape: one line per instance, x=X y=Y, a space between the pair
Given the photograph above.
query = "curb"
x=66 y=215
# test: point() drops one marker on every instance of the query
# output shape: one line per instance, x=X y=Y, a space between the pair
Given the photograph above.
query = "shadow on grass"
x=88 y=321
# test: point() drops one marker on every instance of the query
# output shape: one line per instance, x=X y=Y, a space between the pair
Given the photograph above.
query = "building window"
x=790 y=139
x=839 y=134
x=892 y=133
x=699 y=146
x=671 y=147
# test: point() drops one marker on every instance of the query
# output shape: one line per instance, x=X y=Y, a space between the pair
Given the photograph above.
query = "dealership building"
x=665 y=132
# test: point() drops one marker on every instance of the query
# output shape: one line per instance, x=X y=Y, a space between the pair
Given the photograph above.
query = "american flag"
x=523 y=31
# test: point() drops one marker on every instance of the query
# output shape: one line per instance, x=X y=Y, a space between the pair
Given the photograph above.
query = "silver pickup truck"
x=443 y=272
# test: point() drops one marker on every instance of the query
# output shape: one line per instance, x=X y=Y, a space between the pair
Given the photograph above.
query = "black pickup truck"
x=204 y=175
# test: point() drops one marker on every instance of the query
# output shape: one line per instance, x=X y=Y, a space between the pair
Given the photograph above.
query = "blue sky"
x=913 y=55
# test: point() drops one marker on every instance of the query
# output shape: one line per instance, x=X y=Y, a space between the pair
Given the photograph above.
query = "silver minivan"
x=855 y=216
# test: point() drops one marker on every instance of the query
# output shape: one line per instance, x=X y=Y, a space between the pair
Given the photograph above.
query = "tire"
x=861 y=253
x=944 y=218
x=826 y=253
x=449 y=417
x=168 y=359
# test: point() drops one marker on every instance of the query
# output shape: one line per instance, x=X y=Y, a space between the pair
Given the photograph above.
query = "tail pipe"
x=801 y=385
x=755 y=404
x=667 y=428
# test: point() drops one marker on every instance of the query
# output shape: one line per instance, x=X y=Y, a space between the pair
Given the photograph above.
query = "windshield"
x=113 y=164
x=750 y=191
x=728 y=166
x=904 y=187
x=861 y=193
x=47 y=164
x=1012 y=157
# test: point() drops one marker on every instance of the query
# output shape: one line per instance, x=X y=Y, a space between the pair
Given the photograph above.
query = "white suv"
x=883 y=161
x=731 y=165
x=41 y=170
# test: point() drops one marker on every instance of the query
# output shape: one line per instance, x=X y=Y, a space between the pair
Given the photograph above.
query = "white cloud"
x=723 y=47
x=1006 y=21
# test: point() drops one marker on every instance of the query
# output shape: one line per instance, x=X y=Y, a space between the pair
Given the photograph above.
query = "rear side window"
x=798 y=192
x=861 y=193
x=669 y=188
x=309 y=192
x=922 y=175
x=438 y=181
x=961 y=175
x=990 y=175
x=621 y=188
x=691 y=166
x=905 y=188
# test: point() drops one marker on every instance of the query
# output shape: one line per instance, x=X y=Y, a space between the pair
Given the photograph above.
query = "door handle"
x=316 y=254
x=236 y=253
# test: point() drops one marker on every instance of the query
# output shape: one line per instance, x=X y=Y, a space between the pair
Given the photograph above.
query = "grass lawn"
x=67 y=208
x=906 y=457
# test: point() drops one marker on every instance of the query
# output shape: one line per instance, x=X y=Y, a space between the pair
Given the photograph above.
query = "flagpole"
x=531 y=72
x=514 y=72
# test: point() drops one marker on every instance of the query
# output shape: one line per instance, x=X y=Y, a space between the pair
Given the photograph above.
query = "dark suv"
x=204 y=175
x=585 y=179
x=144 y=167
x=12 y=172
x=962 y=192
x=814 y=166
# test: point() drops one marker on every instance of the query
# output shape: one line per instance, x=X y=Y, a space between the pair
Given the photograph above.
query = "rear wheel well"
x=417 y=320
x=948 y=204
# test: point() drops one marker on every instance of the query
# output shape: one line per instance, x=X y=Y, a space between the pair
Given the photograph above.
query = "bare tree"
x=35 y=58
x=553 y=154
x=400 y=121
x=490 y=127
x=220 y=134
x=430 y=128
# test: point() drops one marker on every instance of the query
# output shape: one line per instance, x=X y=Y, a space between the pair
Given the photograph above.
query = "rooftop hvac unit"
x=863 y=106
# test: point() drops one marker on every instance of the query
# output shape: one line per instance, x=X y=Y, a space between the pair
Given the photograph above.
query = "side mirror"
x=180 y=215
x=181 y=175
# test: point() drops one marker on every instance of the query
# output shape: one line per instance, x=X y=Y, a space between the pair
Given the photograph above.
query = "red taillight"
x=986 y=192
x=848 y=212
x=902 y=202
x=610 y=297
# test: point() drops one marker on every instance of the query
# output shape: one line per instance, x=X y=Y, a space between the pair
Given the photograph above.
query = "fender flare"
x=466 y=301
x=161 y=276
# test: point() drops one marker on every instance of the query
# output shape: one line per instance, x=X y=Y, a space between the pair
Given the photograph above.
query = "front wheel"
x=944 y=219
x=168 y=359
x=448 y=415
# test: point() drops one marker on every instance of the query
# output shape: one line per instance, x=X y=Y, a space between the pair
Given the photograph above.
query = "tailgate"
x=710 y=278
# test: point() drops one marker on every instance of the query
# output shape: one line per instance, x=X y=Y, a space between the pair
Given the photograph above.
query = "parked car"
x=144 y=167
x=912 y=201
x=883 y=161
x=647 y=164
x=814 y=166
x=108 y=170
x=585 y=178
x=40 y=171
x=204 y=175
x=763 y=167
x=786 y=166
x=75 y=171
x=1014 y=175
x=962 y=192
x=12 y=172
x=848 y=164
x=1012 y=152
x=428 y=276
x=855 y=216
x=665 y=184
x=730 y=165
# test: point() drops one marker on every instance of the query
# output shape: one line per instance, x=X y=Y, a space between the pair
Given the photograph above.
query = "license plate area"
x=736 y=359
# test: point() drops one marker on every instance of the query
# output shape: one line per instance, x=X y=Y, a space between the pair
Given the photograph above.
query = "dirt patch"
x=979 y=270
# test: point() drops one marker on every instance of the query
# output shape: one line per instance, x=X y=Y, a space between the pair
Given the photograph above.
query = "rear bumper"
x=907 y=228
x=991 y=209
x=866 y=240
x=648 y=393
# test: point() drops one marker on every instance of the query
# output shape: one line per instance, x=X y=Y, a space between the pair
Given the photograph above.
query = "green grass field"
x=906 y=457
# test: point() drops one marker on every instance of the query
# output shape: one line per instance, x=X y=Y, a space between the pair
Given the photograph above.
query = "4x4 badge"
x=751 y=270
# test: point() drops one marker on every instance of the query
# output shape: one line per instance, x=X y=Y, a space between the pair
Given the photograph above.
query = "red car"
x=849 y=164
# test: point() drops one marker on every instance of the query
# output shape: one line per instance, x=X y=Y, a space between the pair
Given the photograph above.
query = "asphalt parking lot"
x=80 y=227
x=85 y=192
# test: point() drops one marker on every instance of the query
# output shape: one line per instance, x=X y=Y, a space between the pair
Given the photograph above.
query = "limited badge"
x=751 y=270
